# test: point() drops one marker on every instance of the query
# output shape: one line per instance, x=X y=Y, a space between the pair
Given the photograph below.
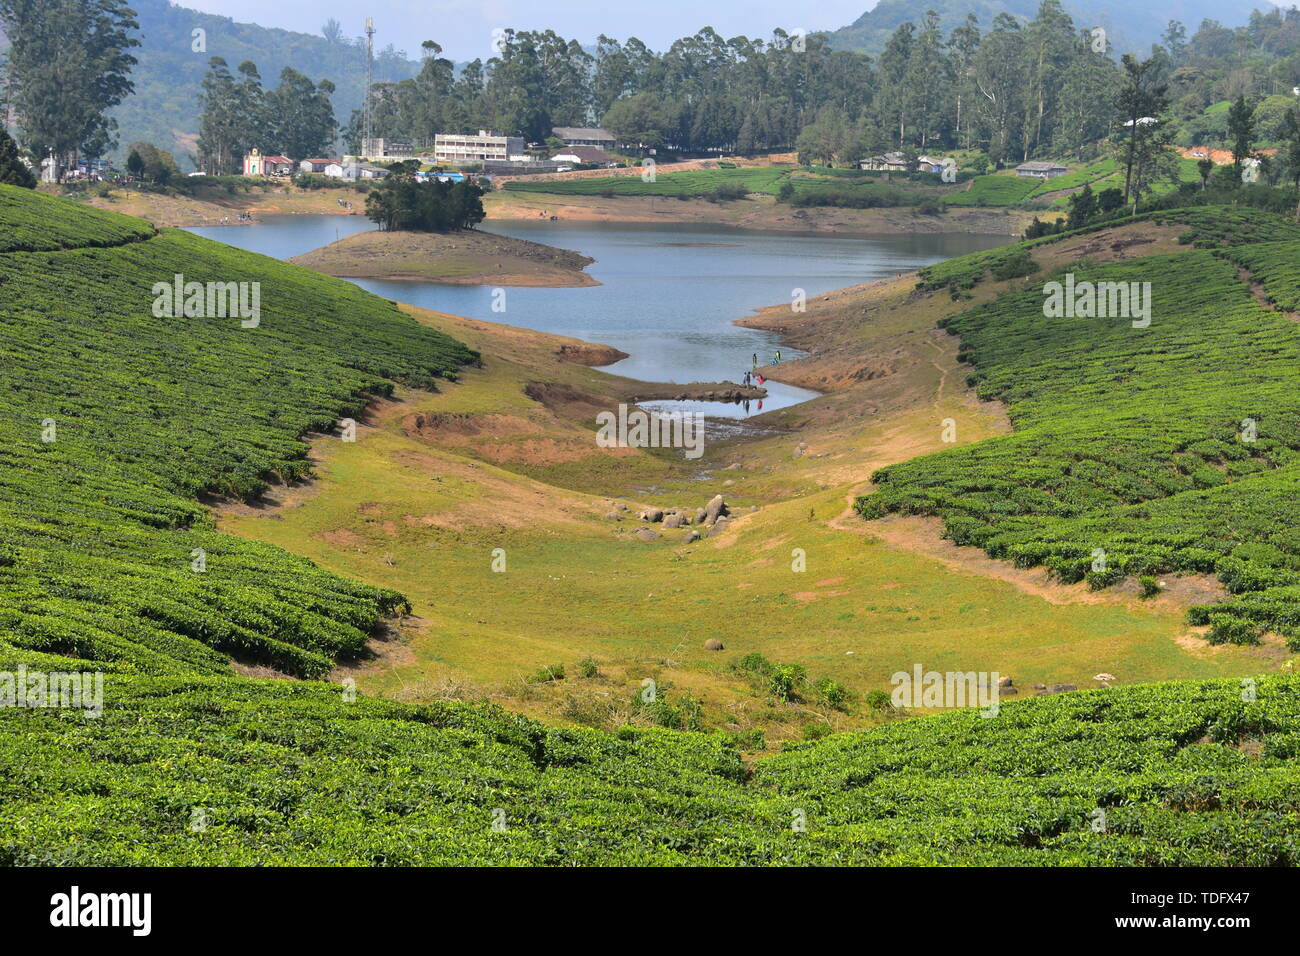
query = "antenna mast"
x=366 y=146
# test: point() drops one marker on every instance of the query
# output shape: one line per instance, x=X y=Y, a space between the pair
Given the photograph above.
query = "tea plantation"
x=1167 y=449
x=210 y=770
x=113 y=422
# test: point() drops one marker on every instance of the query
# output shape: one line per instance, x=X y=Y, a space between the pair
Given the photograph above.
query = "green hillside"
x=165 y=107
x=240 y=772
x=112 y=421
x=1134 y=441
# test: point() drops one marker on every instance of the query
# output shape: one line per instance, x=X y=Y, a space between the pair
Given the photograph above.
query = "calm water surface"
x=668 y=293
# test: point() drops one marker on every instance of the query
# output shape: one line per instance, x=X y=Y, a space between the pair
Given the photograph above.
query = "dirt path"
x=1261 y=294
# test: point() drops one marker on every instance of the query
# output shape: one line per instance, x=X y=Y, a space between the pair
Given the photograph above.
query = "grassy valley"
x=449 y=617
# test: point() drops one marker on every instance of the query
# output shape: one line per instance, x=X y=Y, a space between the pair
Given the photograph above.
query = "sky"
x=464 y=27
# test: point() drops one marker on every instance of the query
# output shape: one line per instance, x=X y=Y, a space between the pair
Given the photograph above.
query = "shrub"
x=551 y=672
x=785 y=681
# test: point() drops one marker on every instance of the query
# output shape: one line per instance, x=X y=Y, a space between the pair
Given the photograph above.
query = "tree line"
x=1013 y=89
x=294 y=119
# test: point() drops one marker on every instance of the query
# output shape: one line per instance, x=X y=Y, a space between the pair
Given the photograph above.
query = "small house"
x=321 y=167
x=1036 y=169
x=584 y=136
x=586 y=155
x=356 y=171
x=894 y=162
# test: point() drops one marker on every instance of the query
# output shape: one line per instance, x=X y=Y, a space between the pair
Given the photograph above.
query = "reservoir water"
x=668 y=294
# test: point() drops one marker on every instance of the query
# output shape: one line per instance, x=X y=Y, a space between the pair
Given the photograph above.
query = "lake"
x=668 y=293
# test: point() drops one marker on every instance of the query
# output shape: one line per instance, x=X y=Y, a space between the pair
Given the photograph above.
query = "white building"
x=363 y=171
x=484 y=147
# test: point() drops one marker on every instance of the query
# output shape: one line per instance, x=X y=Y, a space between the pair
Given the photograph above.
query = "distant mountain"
x=164 y=109
x=1132 y=27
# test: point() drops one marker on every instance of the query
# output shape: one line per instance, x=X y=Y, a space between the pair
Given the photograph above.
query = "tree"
x=999 y=78
x=299 y=116
x=1141 y=100
x=1204 y=167
x=71 y=65
x=1293 y=154
x=151 y=163
x=13 y=171
x=1083 y=208
x=332 y=31
x=1241 y=131
x=403 y=203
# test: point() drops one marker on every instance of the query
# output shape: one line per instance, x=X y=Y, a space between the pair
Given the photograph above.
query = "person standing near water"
x=778 y=356
x=755 y=365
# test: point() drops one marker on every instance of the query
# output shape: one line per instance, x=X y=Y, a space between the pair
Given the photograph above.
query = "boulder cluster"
x=711 y=519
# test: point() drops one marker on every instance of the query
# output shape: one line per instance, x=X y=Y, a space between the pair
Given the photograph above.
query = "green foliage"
x=1019 y=263
x=833 y=694
x=549 y=673
x=995 y=190
x=1130 y=440
x=99 y=526
x=786 y=681
x=34 y=222
x=13 y=172
x=289 y=773
x=403 y=203
x=587 y=667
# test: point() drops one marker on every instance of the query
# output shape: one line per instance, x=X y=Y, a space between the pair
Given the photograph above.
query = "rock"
x=673 y=521
x=1006 y=682
x=700 y=515
x=646 y=534
x=1106 y=677
x=1040 y=687
x=1006 y=689
x=719 y=526
x=713 y=644
x=613 y=516
x=693 y=536
x=652 y=514
x=1061 y=688
x=715 y=509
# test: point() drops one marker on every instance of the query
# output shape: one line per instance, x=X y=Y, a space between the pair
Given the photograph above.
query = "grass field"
x=691 y=184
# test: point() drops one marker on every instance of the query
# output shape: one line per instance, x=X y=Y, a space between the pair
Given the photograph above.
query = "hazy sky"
x=464 y=27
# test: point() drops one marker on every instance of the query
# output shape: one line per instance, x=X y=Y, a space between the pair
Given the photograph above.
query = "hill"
x=1131 y=27
x=164 y=109
x=115 y=418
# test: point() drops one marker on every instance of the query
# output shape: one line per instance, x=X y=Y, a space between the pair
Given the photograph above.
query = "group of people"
x=755 y=375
